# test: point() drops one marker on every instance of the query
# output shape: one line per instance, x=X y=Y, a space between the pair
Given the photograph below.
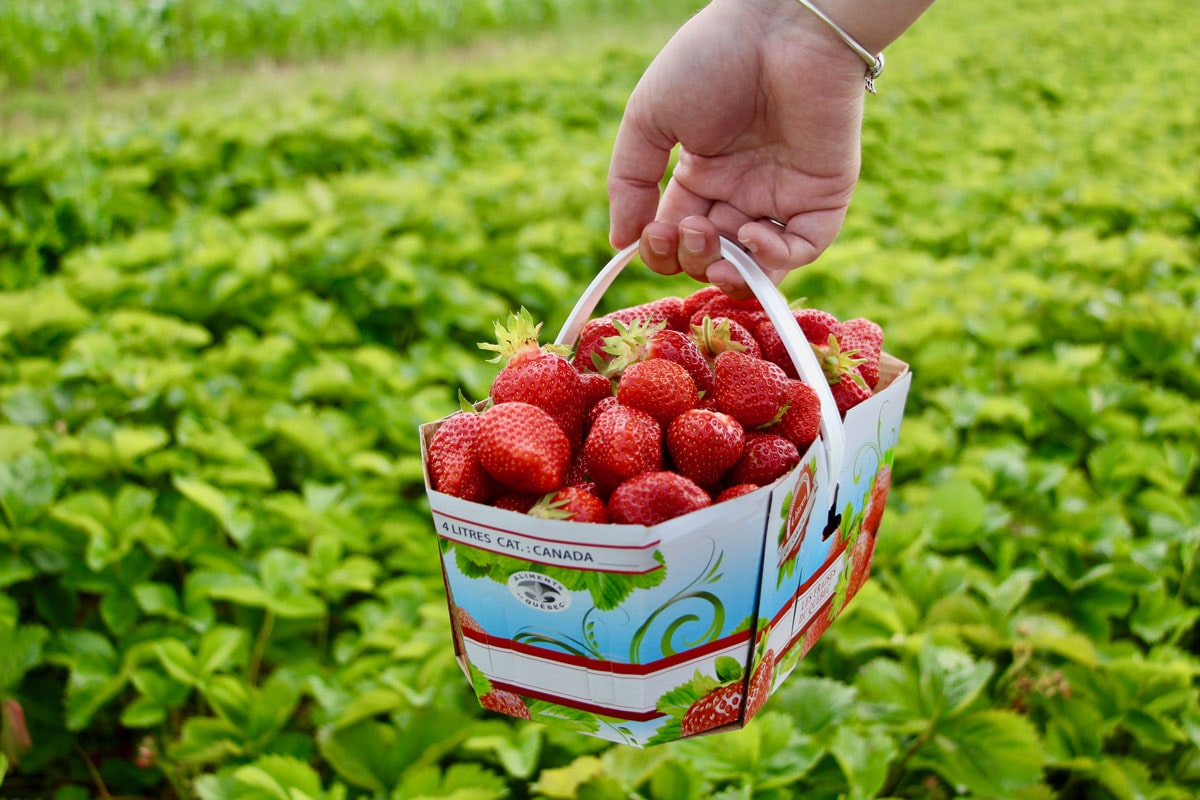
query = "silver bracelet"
x=874 y=63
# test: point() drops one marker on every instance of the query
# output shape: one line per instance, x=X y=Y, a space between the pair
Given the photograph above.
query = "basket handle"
x=833 y=431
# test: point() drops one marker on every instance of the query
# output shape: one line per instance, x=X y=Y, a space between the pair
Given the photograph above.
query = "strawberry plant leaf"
x=990 y=752
x=864 y=758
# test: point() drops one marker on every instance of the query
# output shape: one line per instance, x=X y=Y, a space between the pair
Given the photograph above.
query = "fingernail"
x=693 y=241
x=659 y=245
x=750 y=245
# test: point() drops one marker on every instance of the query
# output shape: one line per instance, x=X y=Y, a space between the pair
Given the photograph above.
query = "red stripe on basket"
x=591 y=708
x=599 y=664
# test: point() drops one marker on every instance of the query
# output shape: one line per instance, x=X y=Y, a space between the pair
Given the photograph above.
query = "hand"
x=766 y=104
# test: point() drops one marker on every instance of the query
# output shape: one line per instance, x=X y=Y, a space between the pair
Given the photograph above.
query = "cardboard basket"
x=644 y=635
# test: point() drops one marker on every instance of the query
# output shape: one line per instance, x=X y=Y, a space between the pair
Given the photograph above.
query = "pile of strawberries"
x=661 y=409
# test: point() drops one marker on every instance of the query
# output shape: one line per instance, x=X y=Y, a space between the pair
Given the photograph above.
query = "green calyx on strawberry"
x=841 y=371
x=571 y=503
x=536 y=374
x=716 y=336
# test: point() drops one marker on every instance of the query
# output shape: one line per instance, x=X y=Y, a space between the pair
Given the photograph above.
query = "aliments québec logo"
x=539 y=591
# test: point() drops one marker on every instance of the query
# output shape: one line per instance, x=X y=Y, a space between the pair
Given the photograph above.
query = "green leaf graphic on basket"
x=608 y=589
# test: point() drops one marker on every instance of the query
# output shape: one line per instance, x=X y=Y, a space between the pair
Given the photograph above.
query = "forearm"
x=874 y=24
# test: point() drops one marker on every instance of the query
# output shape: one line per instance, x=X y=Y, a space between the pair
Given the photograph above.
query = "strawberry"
x=504 y=702
x=594 y=387
x=700 y=299
x=573 y=504
x=454 y=460
x=760 y=684
x=736 y=490
x=623 y=442
x=716 y=335
x=640 y=342
x=589 y=352
x=752 y=391
x=522 y=447
x=519 y=502
x=770 y=346
x=817 y=325
x=746 y=313
x=704 y=444
x=16 y=737
x=864 y=338
x=668 y=310
x=659 y=387
x=877 y=501
x=599 y=408
x=721 y=706
x=841 y=370
x=801 y=422
x=654 y=497
x=535 y=374
x=765 y=458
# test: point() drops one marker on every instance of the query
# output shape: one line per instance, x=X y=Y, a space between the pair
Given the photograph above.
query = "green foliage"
x=219 y=331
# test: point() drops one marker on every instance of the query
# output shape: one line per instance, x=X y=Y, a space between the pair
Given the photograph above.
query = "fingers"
x=638 y=163
x=691 y=246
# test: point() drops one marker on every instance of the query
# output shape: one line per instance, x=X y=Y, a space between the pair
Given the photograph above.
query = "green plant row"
x=220 y=330
x=52 y=41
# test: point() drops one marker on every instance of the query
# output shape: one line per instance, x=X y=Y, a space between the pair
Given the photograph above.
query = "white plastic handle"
x=833 y=431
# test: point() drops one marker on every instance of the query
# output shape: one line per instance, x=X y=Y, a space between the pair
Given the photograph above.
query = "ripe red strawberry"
x=589 y=352
x=505 y=703
x=864 y=339
x=654 y=497
x=752 y=391
x=519 y=502
x=760 y=684
x=716 y=335
x=721 y=706
x=770 y=346
x=700 y=299
x=623 y=442
x=599 y=408
x=705 y=444
x=661 y=388
x=668 y=310
x=522 y=447
x=817 y=325
x=12 y=722
x=573 y=504
x=801 y=422
x=594 y=387
x=454 y=460
x=536 y=374
x=746 y=313
x=736 y=490
x=641 y=343
x=766 y=457
x=877 y=501
x=841 y=370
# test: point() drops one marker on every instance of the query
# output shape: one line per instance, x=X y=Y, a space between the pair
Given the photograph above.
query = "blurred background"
x=246 y=248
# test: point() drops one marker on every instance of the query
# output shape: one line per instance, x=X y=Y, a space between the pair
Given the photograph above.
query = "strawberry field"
x=220 y=328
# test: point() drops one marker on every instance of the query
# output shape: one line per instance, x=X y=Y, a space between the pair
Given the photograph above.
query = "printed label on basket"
x=595 y=557
x=817 y=593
